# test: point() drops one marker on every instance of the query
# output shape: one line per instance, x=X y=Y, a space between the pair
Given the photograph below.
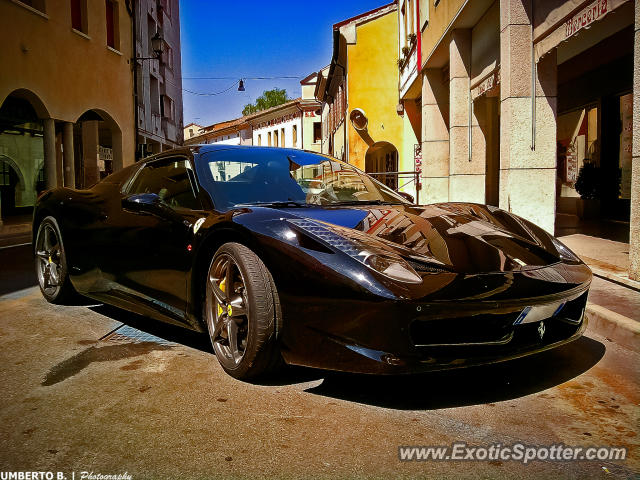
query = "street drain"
x=125 y=333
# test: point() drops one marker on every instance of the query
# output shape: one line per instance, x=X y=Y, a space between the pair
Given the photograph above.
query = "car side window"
x=170 y=179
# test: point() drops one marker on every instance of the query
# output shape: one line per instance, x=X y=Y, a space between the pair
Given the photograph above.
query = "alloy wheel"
x=227 y=310
x=49 y=259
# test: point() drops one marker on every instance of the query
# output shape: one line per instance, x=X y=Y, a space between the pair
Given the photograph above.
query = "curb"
x=612 y=277
x=620 y=329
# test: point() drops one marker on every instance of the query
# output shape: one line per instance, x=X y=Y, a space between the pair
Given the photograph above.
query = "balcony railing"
x=169 y=129
x=156 y=124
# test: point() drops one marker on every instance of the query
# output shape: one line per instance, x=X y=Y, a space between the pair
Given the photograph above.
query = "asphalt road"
x=76 y=397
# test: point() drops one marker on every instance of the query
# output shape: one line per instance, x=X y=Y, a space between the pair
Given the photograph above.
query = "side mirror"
x=143 y=202
x=151 y=203
x=407 y=196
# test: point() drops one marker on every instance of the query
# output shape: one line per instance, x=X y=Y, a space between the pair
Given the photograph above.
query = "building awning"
x=579 y=19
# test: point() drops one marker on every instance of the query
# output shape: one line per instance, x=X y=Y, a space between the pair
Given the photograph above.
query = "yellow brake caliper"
x=222 y=287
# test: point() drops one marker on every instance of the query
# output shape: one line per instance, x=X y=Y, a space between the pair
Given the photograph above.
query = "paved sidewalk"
x=613 y=308
x=15 y=231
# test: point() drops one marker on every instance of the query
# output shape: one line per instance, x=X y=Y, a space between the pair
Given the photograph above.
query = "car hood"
x=463 y=237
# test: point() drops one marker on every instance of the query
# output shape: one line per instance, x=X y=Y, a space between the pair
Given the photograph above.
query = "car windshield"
x=280 y=177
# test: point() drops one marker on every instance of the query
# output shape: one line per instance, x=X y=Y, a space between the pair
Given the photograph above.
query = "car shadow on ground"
x=446 y=389
x=165 y=331
x=468 y=386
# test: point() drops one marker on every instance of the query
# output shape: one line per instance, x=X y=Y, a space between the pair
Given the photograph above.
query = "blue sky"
x=247 y=38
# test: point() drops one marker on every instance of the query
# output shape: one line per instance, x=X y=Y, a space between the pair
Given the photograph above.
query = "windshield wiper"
x=282 y=204
x=363 y=202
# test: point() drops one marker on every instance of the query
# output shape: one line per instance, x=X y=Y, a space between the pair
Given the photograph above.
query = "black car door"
x=152 y=233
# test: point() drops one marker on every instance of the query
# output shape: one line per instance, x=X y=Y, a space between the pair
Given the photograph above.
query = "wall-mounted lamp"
x=157 y=44
x=157 y=47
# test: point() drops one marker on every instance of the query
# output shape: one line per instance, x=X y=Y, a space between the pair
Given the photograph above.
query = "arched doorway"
x=382 y=157
x=97 y=147
x=21 y=153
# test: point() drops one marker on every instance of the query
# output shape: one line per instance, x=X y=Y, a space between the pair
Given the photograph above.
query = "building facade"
x=518 y=96
x=363 y=123
x=191 y=130
x=231 y=132
x=66 y=96
x=293 y=124
x=158 y=78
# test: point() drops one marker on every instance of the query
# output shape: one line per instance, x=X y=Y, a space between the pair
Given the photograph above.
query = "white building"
x=294 y=124
x=231 y=132
x=192 y=130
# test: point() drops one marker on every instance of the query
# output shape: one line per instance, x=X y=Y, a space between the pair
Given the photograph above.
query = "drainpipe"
x=533 y=87
x=131 y=8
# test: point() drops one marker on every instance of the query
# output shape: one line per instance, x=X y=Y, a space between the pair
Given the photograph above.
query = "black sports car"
x=287 y=254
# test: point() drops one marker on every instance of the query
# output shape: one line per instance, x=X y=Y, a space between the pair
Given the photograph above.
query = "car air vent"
x=426 y=267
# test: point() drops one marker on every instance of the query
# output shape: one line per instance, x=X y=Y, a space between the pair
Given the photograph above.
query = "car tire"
x=242 y=313
x=51 y=264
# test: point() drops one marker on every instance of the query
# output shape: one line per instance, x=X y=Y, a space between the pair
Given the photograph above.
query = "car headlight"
x=391 y=266
x=564 y=252
x=380 y=258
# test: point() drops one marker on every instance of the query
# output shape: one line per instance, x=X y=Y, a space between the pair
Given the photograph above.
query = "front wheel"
x=242 y=312
x=51 y=263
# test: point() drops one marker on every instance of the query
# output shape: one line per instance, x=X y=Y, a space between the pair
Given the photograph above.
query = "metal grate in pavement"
x=125 y=333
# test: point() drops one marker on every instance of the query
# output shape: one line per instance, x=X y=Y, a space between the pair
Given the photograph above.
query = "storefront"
x=594 y=123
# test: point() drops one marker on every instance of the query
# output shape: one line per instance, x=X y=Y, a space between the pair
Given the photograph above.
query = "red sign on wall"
x=585 y=17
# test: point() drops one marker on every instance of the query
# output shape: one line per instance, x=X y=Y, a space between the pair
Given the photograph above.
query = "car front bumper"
x=404 y=336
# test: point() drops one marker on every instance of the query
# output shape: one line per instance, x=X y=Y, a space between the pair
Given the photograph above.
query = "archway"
x=21 y=152
x=382 y=157
x=97 y=147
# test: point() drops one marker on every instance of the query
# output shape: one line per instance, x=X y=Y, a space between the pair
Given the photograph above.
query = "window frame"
x=191 y=174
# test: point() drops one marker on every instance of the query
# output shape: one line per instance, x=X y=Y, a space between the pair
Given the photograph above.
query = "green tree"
x=268 y=99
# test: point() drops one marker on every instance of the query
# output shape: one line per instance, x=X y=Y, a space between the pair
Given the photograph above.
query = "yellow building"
x=359 y=90
x=66 y=96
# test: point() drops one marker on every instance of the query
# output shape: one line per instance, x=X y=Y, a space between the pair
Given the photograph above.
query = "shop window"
x=269 y=138
x=259 y=139
x=275 y=138
x=113 y=30
x=282 y=137
x=294 y=136
x=317 y=132
x=79 y=15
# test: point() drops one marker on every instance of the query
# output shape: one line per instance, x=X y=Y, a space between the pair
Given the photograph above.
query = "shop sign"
x=571 y=165
x=626 y=143
x=585 y=17
x=487 y=85
x=417 y=160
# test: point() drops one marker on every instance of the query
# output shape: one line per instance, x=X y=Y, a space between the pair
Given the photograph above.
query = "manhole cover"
x=125 y=333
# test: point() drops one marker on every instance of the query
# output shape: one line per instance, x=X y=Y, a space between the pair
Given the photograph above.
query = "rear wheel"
x=242 y=312
x=51 y=263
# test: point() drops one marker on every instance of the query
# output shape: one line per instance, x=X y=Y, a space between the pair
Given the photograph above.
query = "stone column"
x=68 y=161
x=90 y=141
x=435 y=137
x=49 y=141
x=634 y=234
x=116 y=147
x=466 y=174
x=527 y=164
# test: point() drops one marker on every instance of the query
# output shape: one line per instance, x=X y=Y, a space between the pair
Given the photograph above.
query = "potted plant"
x=589 y=186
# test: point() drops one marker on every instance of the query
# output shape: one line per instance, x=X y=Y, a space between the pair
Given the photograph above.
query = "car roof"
x=205 y=148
